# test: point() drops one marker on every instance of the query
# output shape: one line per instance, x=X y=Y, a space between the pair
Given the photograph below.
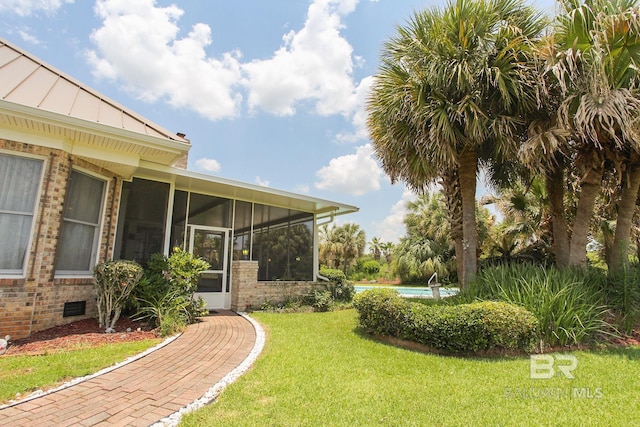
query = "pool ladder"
x=435 y=287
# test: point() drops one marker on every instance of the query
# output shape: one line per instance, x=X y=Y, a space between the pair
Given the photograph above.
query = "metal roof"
x=28 y=81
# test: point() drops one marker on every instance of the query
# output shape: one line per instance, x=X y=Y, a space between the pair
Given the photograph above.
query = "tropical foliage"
x=451 y=92
x=549 y=112
x=426 y=248
x=166 y=297
x=341 y=246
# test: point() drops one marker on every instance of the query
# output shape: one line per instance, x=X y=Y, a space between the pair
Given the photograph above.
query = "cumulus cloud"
x=138 y=45
x=314 y=64
x=354 y=174
x=391 y=228
x=29 y=7
x=209 y=165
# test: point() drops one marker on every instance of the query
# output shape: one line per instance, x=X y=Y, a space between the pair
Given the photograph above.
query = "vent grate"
x=76 y=308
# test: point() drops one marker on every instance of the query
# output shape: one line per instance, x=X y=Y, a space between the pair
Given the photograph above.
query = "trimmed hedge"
x=458 y=328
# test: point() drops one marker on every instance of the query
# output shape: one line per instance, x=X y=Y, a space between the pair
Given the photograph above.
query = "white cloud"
x=28 y=7
x=359 y=120
x=391 y=228
x=314 y=64
x=209 y=165
x=262 y=182
x=138 y=45
x=354 y=174
x=28 y=37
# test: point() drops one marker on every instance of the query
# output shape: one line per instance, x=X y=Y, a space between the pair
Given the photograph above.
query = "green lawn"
x=24 y=374
x=316 y=369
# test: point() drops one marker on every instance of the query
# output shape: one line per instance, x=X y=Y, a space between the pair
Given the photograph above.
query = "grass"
x=24 y=374
x=317 y=369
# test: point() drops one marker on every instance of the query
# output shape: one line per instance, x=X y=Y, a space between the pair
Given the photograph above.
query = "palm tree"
x=427 y=247
x=388 y=249
x=375 y=247
x=593 y=59
x=341 y=246
x=451 y=82
x=525 y=216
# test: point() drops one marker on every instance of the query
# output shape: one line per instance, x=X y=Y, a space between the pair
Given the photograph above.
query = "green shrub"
x=114 y=281
x=334 y=275
x=622 y=295
x=341 y=289
x=456 y=328
x=568 y=303
x=168 y=288
x=320 y=300
x=168 y=313
x=371 y=267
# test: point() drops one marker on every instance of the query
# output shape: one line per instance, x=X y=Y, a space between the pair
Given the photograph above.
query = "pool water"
x=410 y=292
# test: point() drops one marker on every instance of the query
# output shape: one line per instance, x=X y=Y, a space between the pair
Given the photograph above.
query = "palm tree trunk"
x=555 y=192
x=591 y=185
x=451 y=185
x=626 y=208
x=468 y=166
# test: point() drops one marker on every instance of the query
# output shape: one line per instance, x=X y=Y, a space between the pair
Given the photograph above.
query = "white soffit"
x=28 y=81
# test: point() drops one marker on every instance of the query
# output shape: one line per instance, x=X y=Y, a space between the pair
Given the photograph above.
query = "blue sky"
x=268 y=92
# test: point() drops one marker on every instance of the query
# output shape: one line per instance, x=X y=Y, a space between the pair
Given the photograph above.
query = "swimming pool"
x=410 y=292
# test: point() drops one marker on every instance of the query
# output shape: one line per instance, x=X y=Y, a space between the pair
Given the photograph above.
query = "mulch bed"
x=82 y=333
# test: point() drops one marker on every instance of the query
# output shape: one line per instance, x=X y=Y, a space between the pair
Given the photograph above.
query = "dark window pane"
x=141 y=227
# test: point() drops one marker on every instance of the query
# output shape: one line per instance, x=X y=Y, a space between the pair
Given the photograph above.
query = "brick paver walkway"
x=148 y=389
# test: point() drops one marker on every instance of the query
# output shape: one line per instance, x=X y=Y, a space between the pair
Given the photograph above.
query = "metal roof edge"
x=168 y=134
x=340 y=208
x=57 y=119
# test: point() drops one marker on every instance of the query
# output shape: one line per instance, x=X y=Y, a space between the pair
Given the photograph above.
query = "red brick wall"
x=36 y=302
x=249 y=294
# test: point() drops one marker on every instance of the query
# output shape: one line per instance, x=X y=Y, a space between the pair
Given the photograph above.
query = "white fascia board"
x=69 y=122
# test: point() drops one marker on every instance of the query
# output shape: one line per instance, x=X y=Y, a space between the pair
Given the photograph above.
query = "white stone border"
x=212 y=394
x=40 y=393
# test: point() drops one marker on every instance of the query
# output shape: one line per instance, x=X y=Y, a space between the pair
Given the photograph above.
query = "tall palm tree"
x=451 y=82
x=594 y=57
x=375 y=247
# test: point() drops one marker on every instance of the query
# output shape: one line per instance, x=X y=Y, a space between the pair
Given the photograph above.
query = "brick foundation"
x=247 y=293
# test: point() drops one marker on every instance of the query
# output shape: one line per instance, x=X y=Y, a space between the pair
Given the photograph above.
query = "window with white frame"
x=80 y=231
x=20 y=179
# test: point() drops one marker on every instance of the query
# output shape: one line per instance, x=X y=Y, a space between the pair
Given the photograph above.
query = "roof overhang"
x=208 y=184
x=118 y=150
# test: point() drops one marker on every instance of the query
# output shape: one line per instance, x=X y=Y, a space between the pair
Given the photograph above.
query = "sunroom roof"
x=207 y=184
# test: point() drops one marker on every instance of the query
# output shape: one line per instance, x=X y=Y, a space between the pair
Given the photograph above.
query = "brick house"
x=84 y=180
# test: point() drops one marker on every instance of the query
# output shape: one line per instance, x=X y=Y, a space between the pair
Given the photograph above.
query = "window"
x=19 y=186
x=282 y=243
x=79 y=235
x=142 y=220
